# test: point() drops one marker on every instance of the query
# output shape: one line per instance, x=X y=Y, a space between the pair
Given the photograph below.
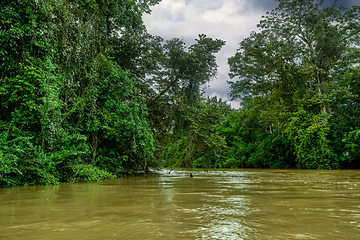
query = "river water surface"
x=243 y=204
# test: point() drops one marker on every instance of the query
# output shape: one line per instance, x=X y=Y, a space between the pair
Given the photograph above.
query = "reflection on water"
x=244 y=204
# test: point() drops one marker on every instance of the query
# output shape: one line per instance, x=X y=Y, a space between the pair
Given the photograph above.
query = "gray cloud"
x=262 y=5
x=272 y=4
x=205 y=4
x=348 y=3
x=229 y=20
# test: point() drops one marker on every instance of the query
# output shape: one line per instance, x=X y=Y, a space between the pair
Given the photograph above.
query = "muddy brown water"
x=243 y=204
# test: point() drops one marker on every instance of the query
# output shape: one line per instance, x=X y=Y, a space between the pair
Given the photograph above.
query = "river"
x=242 y=204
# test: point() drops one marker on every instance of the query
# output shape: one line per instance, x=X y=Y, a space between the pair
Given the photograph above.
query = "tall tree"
x=289 y=70
x=68 y=110
x=179 y=87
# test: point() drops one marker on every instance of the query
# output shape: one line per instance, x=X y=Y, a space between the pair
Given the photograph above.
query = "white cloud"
x=229 y=20
x=227 y=14
x=234 y=104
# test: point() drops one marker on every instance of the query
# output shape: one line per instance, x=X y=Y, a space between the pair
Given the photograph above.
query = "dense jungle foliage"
x=86 y=93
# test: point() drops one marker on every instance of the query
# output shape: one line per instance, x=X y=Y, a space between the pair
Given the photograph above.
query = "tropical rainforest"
x=86 y=93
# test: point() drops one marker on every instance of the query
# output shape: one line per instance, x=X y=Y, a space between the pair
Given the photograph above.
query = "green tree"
x=207 y=146
x=345 y=119
x=68 y=110
x=290 y=69
x=251 y=144
x=179 y=92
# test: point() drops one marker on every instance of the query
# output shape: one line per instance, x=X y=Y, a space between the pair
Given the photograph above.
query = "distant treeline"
x=86 y=93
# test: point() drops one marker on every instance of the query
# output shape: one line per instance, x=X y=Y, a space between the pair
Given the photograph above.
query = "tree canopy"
x=291 y=70
x=68 y=108
x=87 y=93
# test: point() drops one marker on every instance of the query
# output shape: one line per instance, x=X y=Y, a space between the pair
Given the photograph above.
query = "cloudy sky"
x=229 y=20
